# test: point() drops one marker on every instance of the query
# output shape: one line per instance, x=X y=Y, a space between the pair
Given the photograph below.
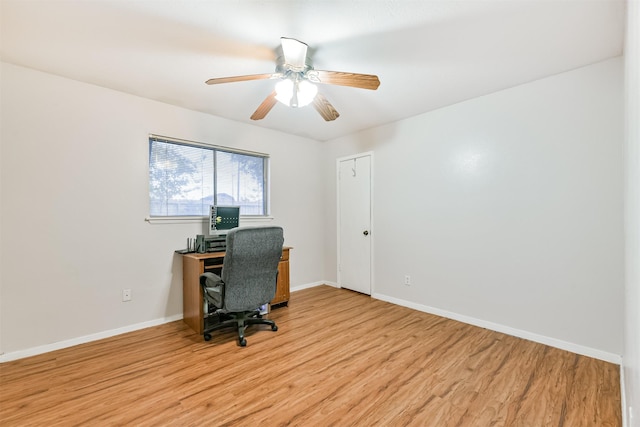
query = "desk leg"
x=192 y=302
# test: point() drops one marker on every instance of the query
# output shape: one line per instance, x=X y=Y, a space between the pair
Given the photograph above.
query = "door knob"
x=365 y=232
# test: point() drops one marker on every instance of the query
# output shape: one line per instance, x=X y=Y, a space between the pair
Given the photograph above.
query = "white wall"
x=505 y=209
x=74 y=189
x=511 y=207
x=631 y=356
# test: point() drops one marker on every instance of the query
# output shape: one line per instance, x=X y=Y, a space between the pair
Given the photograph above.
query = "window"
x=185 y=178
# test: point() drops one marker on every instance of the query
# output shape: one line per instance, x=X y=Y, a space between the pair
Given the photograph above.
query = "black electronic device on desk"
x=216 y=243
x=191 y=247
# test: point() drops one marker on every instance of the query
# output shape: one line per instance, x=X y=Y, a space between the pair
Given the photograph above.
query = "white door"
x=354 y=223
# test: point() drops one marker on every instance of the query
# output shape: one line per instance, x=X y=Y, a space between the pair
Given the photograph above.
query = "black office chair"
x=247 y=281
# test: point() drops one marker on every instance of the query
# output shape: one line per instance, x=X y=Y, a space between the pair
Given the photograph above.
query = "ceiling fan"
x=297 y=76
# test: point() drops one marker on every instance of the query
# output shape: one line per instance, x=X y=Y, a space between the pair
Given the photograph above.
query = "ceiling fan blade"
x=264 y=108
x=294 y=52
x=219 y=80
x=362 y=81
x=325 y=108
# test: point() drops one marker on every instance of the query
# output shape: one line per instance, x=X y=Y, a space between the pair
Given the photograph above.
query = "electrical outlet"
x=126 y=295
x=407 y=280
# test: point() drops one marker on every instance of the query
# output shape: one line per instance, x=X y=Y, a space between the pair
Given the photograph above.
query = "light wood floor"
x=339 y=358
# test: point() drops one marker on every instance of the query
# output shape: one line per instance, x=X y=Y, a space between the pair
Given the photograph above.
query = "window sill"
x=244 y=220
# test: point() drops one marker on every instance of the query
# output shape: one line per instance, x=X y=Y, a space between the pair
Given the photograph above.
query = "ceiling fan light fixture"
x=304 y=93
x=297 y=75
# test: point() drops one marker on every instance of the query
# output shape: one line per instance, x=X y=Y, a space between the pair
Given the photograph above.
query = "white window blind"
x=185 y=178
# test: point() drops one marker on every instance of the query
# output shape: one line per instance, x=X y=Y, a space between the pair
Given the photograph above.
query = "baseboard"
x=552 y=342
x=312 y=285
x=34 y=351
x=623 y=397
x=574 y=348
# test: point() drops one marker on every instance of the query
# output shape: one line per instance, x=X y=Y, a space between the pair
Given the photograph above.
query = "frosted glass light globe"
x=306 y=91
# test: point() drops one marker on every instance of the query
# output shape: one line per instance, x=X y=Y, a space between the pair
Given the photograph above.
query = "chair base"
x=240 y=320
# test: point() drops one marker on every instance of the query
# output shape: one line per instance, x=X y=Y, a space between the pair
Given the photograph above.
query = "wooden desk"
x=193 y=265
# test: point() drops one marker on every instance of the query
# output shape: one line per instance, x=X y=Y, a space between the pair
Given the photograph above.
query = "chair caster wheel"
x=207 y=337
x=274 y=328
x=242 y=342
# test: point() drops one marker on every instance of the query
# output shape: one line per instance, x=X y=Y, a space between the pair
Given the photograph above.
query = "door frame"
x=371 y=226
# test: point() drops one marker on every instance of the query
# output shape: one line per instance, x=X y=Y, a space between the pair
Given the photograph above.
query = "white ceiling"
x=427 y=54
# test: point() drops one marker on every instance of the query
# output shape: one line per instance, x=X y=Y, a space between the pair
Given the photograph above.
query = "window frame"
x=215 y=148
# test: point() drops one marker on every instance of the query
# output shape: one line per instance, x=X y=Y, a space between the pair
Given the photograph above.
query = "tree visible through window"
x=185 y=179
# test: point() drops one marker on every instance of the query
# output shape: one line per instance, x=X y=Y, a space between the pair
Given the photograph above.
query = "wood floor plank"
x=338 y=358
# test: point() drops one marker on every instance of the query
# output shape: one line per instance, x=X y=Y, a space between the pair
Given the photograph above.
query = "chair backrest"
x=250 y=267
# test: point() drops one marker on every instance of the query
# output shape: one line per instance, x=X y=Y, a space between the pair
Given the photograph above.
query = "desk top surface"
x=208 y=255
